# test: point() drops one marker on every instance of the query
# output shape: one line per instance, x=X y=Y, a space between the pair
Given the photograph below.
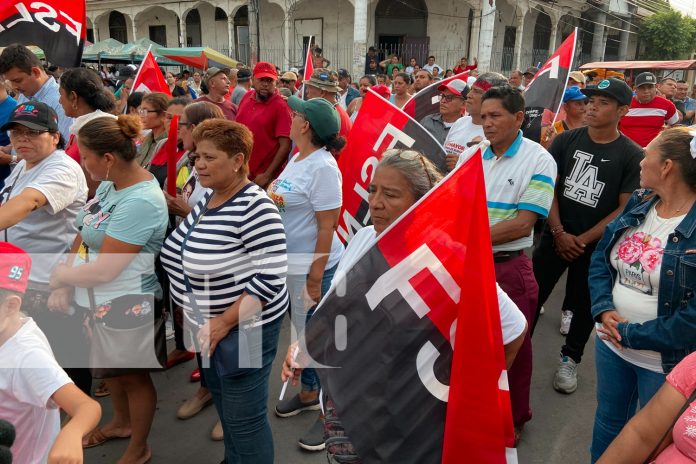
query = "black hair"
x=511 y=98
x=334 y=144
x=89 y=86
x=183 y=101
x=135 y=99
x=406 y=77
x=20 y=57
x=371 y=78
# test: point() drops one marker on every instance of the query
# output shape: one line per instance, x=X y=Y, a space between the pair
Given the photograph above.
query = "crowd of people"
x=95 y=244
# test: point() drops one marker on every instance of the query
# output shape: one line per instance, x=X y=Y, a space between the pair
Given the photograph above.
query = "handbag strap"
x=689 y=400
x=9 y=192
x=90 y=290
x=192 y=300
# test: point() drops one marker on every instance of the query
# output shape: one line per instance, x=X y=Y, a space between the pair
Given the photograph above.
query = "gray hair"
x=493 y=78
x=420 y=173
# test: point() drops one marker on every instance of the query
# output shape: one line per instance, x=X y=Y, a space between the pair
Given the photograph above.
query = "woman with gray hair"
x=401 y=178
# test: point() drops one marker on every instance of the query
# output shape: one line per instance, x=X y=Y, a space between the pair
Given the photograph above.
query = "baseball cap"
x=456 y=86
x=531 y=70
x=15 y=266
x=382 y=90
x=265 y=69
x=573 y=94
x=343 y=73
x=613 y=88
x=243 y=75
x=34 y=115
x=646 y=78
x=289 y=76
x=321 y=114
x=324 y=79
x=212 y=72
x=577 y=76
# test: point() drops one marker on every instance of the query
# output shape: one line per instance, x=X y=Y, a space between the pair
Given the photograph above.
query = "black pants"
x=548 y=269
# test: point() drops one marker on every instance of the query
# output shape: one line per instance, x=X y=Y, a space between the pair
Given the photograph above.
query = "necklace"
x=676 y=211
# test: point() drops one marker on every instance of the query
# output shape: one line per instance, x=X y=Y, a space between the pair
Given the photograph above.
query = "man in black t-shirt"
x=598 y=169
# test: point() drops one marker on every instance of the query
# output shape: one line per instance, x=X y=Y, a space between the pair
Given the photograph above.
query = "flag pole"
x=304 y=71
x=140 y=68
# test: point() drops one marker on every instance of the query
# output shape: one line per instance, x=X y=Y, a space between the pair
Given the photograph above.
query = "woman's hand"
x=312 y=292
x=177 y=205
x=212 y=333
x=60 y=299
x=568 y=246
x=291 y=368
x=56 y=280
x=608 y=331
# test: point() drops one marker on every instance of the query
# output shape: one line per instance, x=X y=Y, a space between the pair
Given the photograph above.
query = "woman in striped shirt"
x=227 y=263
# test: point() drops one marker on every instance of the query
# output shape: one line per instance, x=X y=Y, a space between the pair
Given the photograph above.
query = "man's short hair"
x=510 y=97
x=681 y=81
x=667 y=79
x=431 y=56
x=494 y=79
x=20 y=57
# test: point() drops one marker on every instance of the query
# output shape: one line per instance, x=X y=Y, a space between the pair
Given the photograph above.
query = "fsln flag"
x=545 y=92
x=149 y=77
x=403 y=389
x=55 y=26
x=378 y=127
x=427 y=100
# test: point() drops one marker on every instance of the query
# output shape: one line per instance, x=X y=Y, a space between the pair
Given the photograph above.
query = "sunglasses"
x=449 y=98
x=414 y=155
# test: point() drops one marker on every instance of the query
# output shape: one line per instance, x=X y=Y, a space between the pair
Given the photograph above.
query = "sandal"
x=96 y=438
x=102 y=390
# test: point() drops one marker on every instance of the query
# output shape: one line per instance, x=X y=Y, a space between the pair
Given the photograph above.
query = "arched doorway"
x=241 y=34
x=401 y=27
x=540 y=42
x=193 y=29
x=117 y=27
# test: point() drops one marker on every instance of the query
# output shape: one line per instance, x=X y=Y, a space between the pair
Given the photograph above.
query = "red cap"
x=382 y=90
x=264 y=69
x=15 y=266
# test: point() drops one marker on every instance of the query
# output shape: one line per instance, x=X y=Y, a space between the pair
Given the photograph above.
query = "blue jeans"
x=299 y=315
x=620 y=386
x=241 y=398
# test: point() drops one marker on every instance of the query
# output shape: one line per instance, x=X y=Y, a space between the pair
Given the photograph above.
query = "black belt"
x=503 y=256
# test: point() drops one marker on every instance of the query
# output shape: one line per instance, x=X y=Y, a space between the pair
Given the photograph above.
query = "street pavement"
x=560 y=431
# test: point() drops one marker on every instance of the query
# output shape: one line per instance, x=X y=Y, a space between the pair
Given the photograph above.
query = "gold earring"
x=108 y=168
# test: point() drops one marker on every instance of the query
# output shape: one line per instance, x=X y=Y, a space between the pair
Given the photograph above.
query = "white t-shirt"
x=462 y=132
x=29 y=376
x=430 y=67
x=47 y=232
x=511 y=318
x=303 y=188
x=637 y=258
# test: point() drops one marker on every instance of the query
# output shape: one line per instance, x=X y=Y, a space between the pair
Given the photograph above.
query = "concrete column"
x=253 y=36
x=134 y=28
x=598 y=41
x=182 y=32
x=359 y=38
x=519 y=35
x=231 y=46
x=475 y=31
x=287 y=33
x=485 y=42
x=623 y=46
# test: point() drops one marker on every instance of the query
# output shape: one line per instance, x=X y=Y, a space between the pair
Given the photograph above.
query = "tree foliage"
x=668 y=35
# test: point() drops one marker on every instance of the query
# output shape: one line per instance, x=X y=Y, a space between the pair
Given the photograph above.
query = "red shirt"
x=268 y=121
x=228 y=108
x=458 y=69
x=645 y=121
x=73 y=150
x=346 y=123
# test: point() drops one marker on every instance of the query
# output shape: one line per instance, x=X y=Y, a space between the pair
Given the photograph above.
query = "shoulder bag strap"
x=653 y=453
x=9 y=192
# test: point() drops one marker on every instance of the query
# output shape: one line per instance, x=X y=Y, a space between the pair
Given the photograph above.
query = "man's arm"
x=595 y=233
x=262 y=180
x=512 y=229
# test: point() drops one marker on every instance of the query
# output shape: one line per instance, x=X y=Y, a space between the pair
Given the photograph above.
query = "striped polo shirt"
x=644 y=121
x=523 y=178
x=234 y=248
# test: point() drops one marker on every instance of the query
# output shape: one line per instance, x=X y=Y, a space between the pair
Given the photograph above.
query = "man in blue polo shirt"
x=519 y=176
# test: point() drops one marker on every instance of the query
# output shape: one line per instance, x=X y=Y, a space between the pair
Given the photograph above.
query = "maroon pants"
x=516 y=278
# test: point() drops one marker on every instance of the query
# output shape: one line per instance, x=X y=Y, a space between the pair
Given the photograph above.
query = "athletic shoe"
x=313 y=440
x=566 y=378
x=566 y=317
x=293 y=406
x=541 y=311
x=169 y=330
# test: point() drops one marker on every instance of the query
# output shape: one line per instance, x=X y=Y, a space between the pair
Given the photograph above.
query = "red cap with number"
x=15 y=266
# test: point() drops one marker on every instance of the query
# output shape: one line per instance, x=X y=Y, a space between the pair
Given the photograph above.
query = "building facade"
x=502 y=34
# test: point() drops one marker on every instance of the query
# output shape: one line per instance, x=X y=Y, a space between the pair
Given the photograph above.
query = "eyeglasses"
x=298 y=114
x=413 y=155
x=449 y=98
x=143 y=111
x=185 y=124
x=29 y=134
x=285 y=81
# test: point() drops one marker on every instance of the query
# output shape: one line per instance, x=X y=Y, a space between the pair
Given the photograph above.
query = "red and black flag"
x=378 y=127
x=427 y=101
x=385 y=335
x=545 y=93
x=56 y=26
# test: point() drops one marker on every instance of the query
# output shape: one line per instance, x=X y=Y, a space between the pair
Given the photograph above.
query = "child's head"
x=15 y=266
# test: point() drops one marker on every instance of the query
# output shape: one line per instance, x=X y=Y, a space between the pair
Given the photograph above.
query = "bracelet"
x=557 y=230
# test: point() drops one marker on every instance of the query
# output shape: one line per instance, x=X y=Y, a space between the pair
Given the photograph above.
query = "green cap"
x=321 y=114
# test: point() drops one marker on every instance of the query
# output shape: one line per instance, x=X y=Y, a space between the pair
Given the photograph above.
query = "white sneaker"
x=169 y=329
x=566 y=378
x=541 y=311
x=566 y=317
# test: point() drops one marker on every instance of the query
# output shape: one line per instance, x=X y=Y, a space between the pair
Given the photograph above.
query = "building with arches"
x=502 y=34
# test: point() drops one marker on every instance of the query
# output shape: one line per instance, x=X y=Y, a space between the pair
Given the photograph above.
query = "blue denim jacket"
x=673 y=333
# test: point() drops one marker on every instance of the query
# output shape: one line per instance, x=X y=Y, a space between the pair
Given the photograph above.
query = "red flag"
x=429 y=280
x=308 y=67
x=149 y=77
x=427 y=100
x=378 y=127
x=545 y=92
x=56 y=26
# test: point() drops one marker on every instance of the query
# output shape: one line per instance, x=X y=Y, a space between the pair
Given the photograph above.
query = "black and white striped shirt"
x=234 y=248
